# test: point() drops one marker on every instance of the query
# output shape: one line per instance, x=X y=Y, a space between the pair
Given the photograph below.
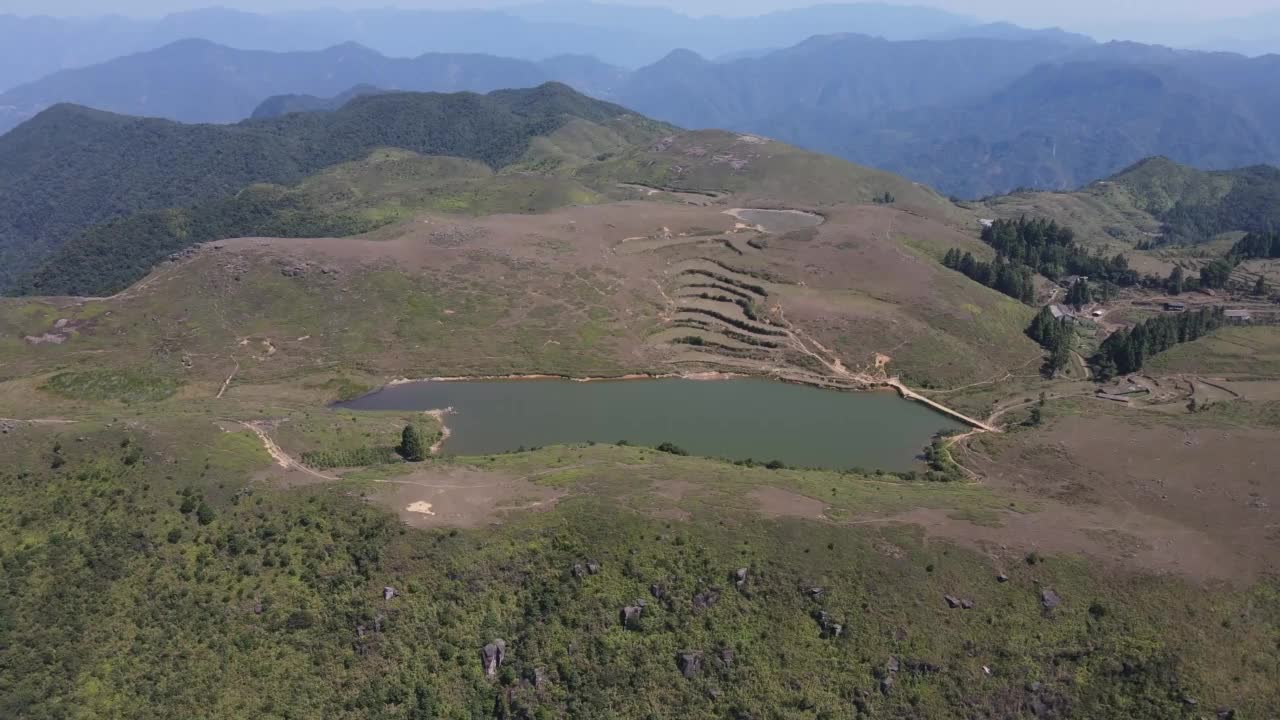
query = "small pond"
x=778 y=222
x=736 y=419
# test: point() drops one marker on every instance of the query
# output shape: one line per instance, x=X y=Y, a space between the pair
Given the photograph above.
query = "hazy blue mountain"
x=198 y=81
x=31 y=48
x=1062 y=125
x=279 y=105
x=1009 y=31
x=845 y=76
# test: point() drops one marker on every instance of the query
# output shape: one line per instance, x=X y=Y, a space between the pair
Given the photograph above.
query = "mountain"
x=33 y=47
x=1157 y=202
x=970 y=116
x=198 y=81
x=71 y=167
x=1009 y=31
x=279 y=105
x=1064 y=124
x=843 y=78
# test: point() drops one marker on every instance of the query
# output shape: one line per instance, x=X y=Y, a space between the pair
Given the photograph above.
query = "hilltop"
x=71 y=168
x=1157 y=202
x=984 y=111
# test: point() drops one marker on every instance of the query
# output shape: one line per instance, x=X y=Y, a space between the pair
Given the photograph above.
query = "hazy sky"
x=1030 y=12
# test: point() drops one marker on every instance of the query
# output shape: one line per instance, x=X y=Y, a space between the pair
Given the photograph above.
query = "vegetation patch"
x=128 y=386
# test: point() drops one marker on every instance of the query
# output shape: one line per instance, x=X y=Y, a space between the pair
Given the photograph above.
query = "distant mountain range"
x=31 y=48
x=969 y=116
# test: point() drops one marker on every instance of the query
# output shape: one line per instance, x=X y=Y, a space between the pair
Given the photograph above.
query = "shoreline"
x=710 y=375
x=445 y=431
x=881 y=385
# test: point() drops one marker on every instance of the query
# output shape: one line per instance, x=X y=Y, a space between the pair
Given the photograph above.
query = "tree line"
x=1257 y=246
x=1055 y=335
x=1016 y=281
x=1051 y=250
x=1127 y=351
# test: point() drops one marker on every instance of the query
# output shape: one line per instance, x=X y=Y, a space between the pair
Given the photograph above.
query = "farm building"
x=1238 y=316
x=1175 y=306
x=1060 y=312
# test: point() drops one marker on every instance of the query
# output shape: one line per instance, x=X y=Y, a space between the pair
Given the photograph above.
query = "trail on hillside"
x=282 y=458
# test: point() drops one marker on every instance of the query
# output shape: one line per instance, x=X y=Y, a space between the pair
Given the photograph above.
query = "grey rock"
x=689 y=662
x=593 y=568
x=726 y=656
x=389 y=592
x=1002 y=578
x=967 y=604
x=706 y=599
x=492 y=657
x=886 y=685
x=1050 y=599
x=578 y=570
x=893 y=665
x=815 y=593
x=740 y=577
x=952 y=601
x=657 y=591
x=630 y=616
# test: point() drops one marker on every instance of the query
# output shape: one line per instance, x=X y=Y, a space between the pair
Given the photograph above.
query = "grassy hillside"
x=72 y=168
x=726 y=162
x=1157 y=202
x=348 y=199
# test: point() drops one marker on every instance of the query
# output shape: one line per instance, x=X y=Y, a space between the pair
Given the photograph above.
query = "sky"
x=1039 y=13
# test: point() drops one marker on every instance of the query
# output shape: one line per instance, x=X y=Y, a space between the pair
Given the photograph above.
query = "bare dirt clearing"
x=449 y=496
x=1196 y=498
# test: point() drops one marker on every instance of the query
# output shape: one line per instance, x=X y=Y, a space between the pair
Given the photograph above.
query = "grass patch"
x=127 y=386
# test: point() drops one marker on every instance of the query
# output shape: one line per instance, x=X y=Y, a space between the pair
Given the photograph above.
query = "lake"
x=737 y=419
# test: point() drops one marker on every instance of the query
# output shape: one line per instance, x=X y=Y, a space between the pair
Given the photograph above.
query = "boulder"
x=492 y=657
x=538 y=676
x=593 y=568
x=1049 y=599
x=886 y=684
x=1002 y=578
x=892 y=665
x=967 y=604
x=740 y=577
x=689 y=662
x=815 y=593
x=630 y=616
x=726 y=656
x=827 y=624
x=389 y=592
x=953 y=602
x=578 y=570
x=657 y=591
x=706 y=599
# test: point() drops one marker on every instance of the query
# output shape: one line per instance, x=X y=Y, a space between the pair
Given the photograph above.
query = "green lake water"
x=737 y=419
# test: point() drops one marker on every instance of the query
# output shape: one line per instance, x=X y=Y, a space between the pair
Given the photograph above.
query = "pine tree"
x=1177 y=281
x=412 y=446
x=1260 y=287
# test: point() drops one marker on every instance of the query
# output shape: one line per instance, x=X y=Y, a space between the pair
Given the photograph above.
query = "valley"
x=215 y=463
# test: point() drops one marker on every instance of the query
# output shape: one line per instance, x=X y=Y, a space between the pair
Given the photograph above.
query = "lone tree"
x=412 y=446
x=1260 y=287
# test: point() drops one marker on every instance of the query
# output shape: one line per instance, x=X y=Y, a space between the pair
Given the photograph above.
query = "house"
x=1070 y=280
x=1061 y=312
x=1175 y=306
x=1238 y=316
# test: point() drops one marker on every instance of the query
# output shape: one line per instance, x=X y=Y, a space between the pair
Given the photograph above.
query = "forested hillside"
x=1196 y=205
x=72 y=167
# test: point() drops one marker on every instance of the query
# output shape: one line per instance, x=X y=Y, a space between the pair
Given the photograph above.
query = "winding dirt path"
x=282 y=458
